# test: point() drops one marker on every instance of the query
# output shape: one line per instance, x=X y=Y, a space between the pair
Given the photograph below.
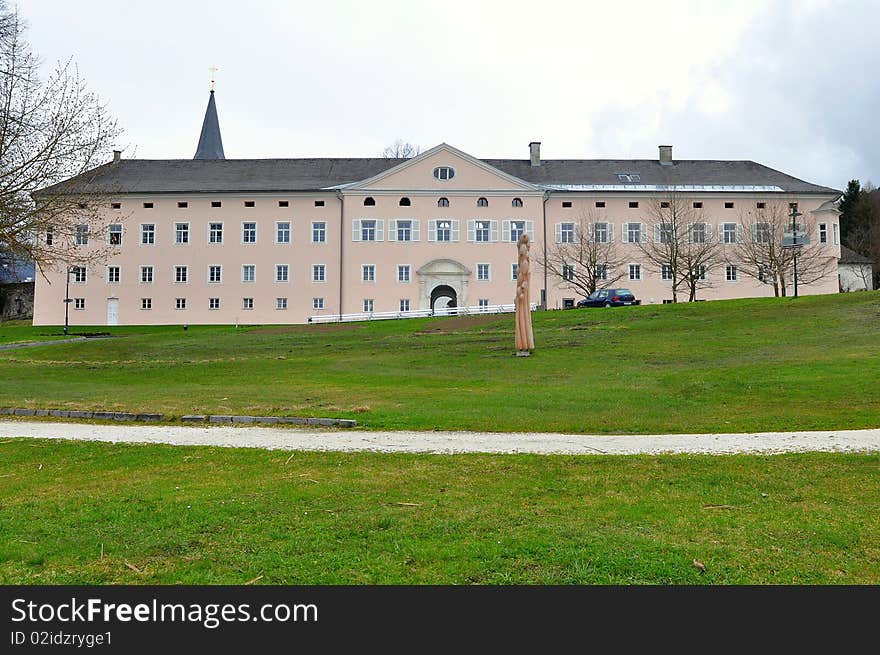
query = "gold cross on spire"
x=213 y=70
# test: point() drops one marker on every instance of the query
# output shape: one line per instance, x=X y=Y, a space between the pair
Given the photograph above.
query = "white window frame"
x=79 y=303
x=179 y=304
x=118 y=270
x=286 y=269
x=247 y=304
x=666 y=272
x=406 y=279
x=151 y=233
x=483 y=303
x=368 y=273
x=76 y=274
x=514 y=271
x=253 y=270
x=211 y=304
x=484 y=272
x=319 y=273
x=244 y=233
x=434 y=230
x=566 y=232
x=219 y=268
x=728 y=269
x=318 y=303
x=112 y=229
x=144 y=268
x=181 y=229
x=146 y=304
x=316 y=230
x=835 y=228
x=629 y=269
x=279 y=231
x=567 y=273
x=369 y=305
x=823 y=232
x=358 y=229
x=723 y=233
x=211 y=234
x=81 y=235
x=175 y=270
x=281 y=303
x=404 y=304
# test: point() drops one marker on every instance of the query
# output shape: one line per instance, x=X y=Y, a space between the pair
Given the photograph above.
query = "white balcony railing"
x=417 y=313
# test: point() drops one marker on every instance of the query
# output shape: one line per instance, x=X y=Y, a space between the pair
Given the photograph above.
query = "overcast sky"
x=793 y=85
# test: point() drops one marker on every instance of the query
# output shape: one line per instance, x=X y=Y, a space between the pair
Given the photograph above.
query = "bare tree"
x=758 y=250
x=53 y=134
x=583 y=254
x=679 y=243
x=401 y=149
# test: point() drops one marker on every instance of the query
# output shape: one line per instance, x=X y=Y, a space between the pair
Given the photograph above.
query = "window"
x=115 y=205
x=180 y=303
x=634 y=233
x=319 y=273
x=282 y=232
x=514 y=272
x=698 y=205
x=601 y=233
x=214 y=203
x=181 y=274
x=368 y=230
x=517 y=229
x=79 y=274
x=629 y=177
x=836 y=233
x=284 y=203
x=148 y=234
x=444 y=173
x=728 y=205
x=79 y=303
x=762 y=273
x=566 y=233
x=146 y=303
x=730 y=273
x=664 y=205
x=214 y=274
x=368 y=304
x=482 y=202
x=404 y=230
x=404 y=202
x=601 y=271
x=248 y=232
x=761 y=205
x=215 y=232
x=568 y=272
x=404 y=304
x=112 y=275
x=213 y=303
x=82 y=235
x=148 y=205
x=248 y=273
x=761 y=233
x=666 y=272
x=403 y=273
x=319 y=203
x=728 y=233
x=699 y=272
x=483 y=272
x=247 y=303
x=146 y=274
x=319 y=232
x=249 y=203
x=665 y=233
x=698 y=233
x=444 y=230
x=368 y=273
x=634 y=205
x=317 y=303
x=369 y=202
x=516 y=202
x=668 y=301
x=281 y=303
x=281 y=273
x=823 y=233
x=482 y=231
x=443 y=202
x=600 y=204
x=181 y=233
x=50 y=234
x=635 y=271
x=115 y=234
x=483 y=303
x=182 y=205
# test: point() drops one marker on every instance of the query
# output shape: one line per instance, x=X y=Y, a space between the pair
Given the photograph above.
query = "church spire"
x=210 y=143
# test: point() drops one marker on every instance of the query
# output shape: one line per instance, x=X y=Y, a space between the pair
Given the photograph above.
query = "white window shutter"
x=708 y=232
x=380 y=229
x=530 y=230
x=625 y=236
x=610 y=232
x=690 y=234
x=739 y=233
x=416 y=229
x=493 y=231
x=644 y=233
x=456 y=230
x=506 y=230
x=472 y=230
x=432 y=230
x=754 y=230
x=657 y=233
x=721 y=233
x=356 y=230
x=392 y=231
x=557 y=232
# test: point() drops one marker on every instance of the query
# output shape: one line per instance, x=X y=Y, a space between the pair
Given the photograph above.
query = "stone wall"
x=16 y=301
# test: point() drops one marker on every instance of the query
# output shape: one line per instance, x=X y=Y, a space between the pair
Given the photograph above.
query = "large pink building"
x=215 y=240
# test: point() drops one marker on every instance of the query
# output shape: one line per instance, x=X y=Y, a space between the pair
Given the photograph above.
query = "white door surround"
x=112 y=311
x=443 y=272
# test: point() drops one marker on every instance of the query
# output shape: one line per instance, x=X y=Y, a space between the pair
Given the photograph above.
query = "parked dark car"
x=609 y=298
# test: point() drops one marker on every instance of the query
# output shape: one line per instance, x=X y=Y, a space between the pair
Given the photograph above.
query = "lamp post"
x=794 y=233
x=66 y=300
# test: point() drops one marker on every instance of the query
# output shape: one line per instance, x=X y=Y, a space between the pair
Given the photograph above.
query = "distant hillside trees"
x=860 y=222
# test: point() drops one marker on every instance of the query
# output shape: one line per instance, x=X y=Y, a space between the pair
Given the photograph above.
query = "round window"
x=444 y=173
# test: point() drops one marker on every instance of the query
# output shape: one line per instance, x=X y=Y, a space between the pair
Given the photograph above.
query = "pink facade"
x=333 y=228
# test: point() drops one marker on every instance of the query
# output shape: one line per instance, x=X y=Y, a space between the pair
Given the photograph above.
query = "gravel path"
x=451 y=442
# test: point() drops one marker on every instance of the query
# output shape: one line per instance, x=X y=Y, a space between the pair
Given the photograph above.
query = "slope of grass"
x=743 y=365
x=163 y=514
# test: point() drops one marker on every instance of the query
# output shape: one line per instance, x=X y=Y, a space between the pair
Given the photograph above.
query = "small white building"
x=855 y=271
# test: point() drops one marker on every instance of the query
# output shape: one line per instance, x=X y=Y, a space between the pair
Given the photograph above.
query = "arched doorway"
x=442 y=297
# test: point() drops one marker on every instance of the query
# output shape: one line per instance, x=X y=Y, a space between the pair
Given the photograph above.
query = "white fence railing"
x=417 y=313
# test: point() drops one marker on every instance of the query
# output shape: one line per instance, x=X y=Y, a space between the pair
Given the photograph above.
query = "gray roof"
x=849 y=256
x=210 y=144
x=287 y=175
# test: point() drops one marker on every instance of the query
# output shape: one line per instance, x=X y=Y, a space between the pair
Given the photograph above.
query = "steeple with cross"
x=210 y=143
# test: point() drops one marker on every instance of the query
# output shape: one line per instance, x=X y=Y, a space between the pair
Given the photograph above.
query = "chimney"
x=535 y=153
x=117 y=155
x=666 y=155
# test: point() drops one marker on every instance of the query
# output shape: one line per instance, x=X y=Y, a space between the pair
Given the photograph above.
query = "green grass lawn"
x=742 y=365
x=166 y=514
x=22 y=332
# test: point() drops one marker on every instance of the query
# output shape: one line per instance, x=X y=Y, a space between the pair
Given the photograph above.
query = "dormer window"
x=629 y=178
x=369 y=202
x=517 y=202
x=443 y=202
x=404 y=202
x=482 y=202
x=444 y=173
